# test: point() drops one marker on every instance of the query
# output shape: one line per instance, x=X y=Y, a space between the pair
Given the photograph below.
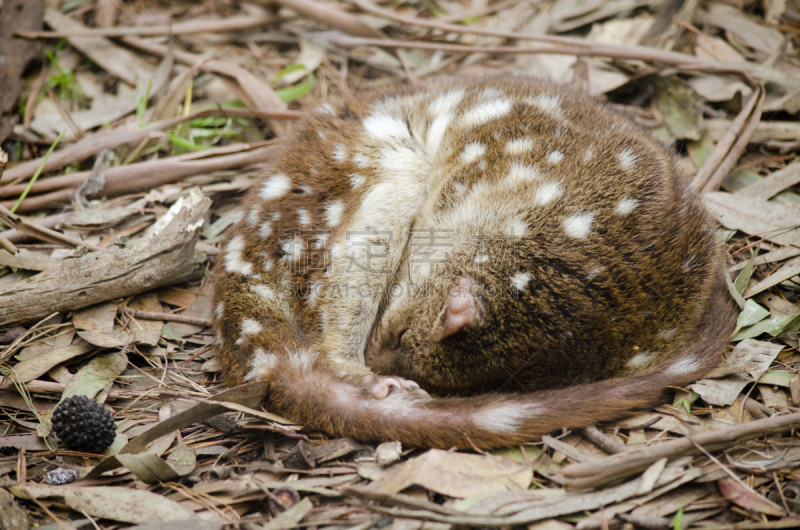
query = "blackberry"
x=84 y=425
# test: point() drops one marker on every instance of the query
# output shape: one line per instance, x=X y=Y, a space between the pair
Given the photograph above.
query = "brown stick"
x=738 y=148
x=7 y=245
x=606 y=443
x=167 y=317
x=579 y=46
x=620 y=466
x=164 y=255
x=188 y=27
x=144 y=176
x=111 y=139
x=40 y=232
x=723 y=146
x=331 y=16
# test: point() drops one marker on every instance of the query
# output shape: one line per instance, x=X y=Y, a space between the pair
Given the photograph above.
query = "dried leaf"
x=128 y=505
x=290 y=517
x=92 y=378
x=738 y=493
x=152 y=469
x=746 y=363
x=95 y=325
x=146 y=331
x=456 y=474
x=769 y=220
x=681 y=107
x=33 y=367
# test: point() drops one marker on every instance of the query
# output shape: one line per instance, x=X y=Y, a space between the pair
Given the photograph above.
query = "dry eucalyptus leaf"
x=95 y=325
x=770 y=220
x=456 y=474
x=92 y=378
x=746 y=363
x=738 y=493
x=146 y=331
x=128 y=505
x=33 y=367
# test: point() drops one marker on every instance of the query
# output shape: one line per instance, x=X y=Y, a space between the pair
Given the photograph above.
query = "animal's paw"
x=381 y=387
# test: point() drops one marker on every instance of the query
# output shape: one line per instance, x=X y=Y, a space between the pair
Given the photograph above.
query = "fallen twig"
x=143 y=176
x=163 y=256
x=111 y=139
x=620 y=466
x=167 y=317
x=732 y=144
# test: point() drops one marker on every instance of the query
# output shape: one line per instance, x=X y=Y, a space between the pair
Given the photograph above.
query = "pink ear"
x=461 y=310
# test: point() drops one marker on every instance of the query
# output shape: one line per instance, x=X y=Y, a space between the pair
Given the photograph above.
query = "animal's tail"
x=493 y=420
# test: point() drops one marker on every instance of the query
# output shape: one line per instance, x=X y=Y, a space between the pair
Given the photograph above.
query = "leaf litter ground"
x=129 y=129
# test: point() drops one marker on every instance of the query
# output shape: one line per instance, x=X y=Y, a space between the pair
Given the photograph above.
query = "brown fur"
x=624 y=302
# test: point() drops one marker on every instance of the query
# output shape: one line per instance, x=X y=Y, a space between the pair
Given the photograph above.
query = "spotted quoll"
x=523 y=254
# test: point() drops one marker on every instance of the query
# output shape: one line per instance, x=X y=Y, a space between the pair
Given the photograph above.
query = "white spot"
x=277 y=186
x=555 y=157
x=267 y=264
x=219 y=310
x=459 y=188
x=321 y=134
x=626 y=205
x=356 y=180
x=491 y=93
x=340 y=153
x=548 y=104
x=275 y=216
x=667 y=334
x=361 y=160
x=313 y=293
x=436 y=132
x=472 y=151
x=261 y=365
x=579 y=225
x=505 y=418
x=592 y=274
x=587 y=157
x=265 y=230
x=264 y=291
x=292 y=249
x=641 y=359
x=233 y=257
x=385 y=127
x=306 y=189
x=626 y=158
x=333 y=213
x=326 y=108
x=251 y=326
x=253 y=215
x=547 y=193
x=520 y=280
x=517 y=228
x=520 y=173
x=323 y=319
x=481 y=258
x=302 y=359
x=446 y=103
x=684 y=365
x=303 y=217
x=519 y=146
x=485 y=112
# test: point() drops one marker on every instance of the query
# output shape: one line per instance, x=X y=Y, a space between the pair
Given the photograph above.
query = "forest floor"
x=113 y=114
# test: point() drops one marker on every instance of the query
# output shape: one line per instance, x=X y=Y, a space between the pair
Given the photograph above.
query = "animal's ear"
x=461 y=310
